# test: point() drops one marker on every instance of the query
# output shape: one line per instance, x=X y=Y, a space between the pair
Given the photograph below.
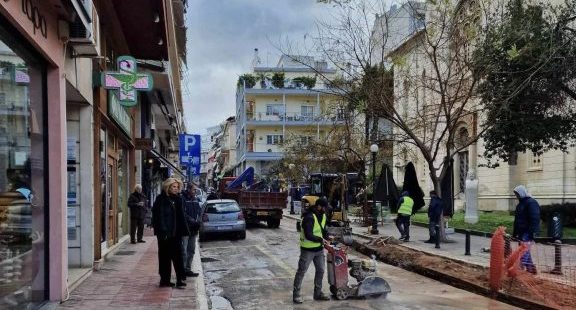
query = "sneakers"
x=321 y=296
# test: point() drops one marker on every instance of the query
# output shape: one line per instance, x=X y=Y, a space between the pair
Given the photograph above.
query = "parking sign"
x=190 y=152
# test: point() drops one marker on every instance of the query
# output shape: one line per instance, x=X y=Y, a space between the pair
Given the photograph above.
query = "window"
x=274 y=139
x=534 y=161
x=307 y=110
x=274 y=109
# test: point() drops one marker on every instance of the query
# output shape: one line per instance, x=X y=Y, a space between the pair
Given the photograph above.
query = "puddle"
x=220 y=303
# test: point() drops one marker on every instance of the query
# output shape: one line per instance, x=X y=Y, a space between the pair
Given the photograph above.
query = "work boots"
x=321 y=296
x=297 y=298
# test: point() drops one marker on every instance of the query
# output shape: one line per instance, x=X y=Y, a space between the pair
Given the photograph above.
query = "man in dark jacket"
x=312 y=239
x=138 y=210
x=192 y=211
x=434 y=214
x=526 y=223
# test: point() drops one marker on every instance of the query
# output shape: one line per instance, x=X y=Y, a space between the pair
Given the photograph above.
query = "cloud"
x=222 y=36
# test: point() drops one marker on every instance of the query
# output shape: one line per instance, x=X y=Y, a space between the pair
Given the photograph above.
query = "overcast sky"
x=222 y=35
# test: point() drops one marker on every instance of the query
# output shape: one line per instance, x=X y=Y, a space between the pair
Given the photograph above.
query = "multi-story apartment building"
x=268 y=115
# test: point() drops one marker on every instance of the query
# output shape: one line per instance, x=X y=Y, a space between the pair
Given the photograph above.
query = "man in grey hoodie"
x=526 y=223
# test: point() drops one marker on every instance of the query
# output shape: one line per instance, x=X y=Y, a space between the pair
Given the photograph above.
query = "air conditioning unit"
x=85 y=36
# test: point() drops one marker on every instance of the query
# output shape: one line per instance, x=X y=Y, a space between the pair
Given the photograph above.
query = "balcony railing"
x=291 y=117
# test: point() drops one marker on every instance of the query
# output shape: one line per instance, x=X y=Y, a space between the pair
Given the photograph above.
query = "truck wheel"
x=273 y=223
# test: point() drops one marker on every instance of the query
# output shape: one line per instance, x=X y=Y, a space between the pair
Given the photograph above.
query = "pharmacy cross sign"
x=127 y=81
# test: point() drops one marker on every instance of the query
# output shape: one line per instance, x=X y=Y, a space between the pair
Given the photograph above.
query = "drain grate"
x=125 y=252
x=208 y=259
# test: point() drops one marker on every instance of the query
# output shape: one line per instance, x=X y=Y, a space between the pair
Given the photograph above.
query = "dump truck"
x=257 y=203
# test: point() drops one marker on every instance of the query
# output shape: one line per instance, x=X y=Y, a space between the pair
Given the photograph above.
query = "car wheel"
x=242 y=235
x=201 y=237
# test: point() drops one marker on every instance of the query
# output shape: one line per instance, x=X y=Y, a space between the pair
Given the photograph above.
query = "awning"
x=166 y=162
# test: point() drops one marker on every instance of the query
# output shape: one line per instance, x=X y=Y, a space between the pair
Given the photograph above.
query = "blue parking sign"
x=190 y=153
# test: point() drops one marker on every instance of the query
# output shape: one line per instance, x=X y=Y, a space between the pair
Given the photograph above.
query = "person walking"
x=526 y=224
x=313 y=237
x=138 y=209
x=169 y=227
x=434 y=214
x=192 y=211
x=405 y=205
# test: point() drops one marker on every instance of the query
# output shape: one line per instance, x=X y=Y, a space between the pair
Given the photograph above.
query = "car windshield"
x=222 y=207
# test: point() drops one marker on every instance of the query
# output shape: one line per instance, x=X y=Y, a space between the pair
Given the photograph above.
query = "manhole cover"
x=125 y=252
x=208 y=259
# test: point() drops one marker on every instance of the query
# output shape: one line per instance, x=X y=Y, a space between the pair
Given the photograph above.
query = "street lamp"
x=374 y=150
x=291 y=167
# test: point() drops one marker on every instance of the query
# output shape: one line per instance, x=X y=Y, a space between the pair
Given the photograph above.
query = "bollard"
x=437 y=229
x=557 y=258
x=507 y=247
x=467 y=242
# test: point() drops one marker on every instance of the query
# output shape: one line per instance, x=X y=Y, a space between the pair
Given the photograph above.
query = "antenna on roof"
x=256 y=60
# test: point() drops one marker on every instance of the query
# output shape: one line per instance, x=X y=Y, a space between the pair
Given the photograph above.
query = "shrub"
x=308 y=82
x=278 y=80
x=248 y=79
x=568 y=211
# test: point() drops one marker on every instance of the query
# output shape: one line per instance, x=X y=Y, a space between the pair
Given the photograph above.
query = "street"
x=257 y=273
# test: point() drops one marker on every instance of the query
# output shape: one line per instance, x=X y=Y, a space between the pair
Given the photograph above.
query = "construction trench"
x=469 y=277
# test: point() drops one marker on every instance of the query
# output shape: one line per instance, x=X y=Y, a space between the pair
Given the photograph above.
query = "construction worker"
x=313 y=237
x=405 y=205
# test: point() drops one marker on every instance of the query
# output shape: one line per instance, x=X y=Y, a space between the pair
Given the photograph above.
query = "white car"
x=222 y=216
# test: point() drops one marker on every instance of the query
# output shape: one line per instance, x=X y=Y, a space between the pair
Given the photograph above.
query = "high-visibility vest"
x=406 y=206
x=317 y=231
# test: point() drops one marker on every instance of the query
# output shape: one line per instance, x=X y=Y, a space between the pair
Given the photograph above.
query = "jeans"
x=188 y=250
x=306 y=257
x=432 y=229
x=526 y=259
x=403 y=225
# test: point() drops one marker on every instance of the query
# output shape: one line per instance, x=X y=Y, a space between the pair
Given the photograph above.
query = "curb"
x=201 y=297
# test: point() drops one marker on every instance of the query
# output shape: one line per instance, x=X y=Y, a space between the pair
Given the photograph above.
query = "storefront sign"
x=117 y=112
x=38 y=19
x=143 y=144
x=127 y=81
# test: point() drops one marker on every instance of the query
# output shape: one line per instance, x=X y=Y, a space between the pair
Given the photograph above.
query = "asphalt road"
x=257 y=273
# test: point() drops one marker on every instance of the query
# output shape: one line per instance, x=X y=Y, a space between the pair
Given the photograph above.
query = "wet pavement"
x=257 y=273
x=129 y=280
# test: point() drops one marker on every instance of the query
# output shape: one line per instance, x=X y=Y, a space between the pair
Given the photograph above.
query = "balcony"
x=260 y=151
x=262 y=118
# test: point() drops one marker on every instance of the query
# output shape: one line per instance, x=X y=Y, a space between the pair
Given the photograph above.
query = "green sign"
x=127 y=81
x=119 y=114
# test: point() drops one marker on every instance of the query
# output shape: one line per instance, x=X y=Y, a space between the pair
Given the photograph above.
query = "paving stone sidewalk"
x=129 y=280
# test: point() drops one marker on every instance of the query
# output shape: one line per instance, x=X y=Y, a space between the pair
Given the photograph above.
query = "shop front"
x=32 y=131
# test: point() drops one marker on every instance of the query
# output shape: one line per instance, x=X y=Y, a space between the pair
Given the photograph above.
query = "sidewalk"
x=129 y=280
x=542 y=254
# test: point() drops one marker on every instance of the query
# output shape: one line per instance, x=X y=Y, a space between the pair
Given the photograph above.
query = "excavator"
x=335 y=188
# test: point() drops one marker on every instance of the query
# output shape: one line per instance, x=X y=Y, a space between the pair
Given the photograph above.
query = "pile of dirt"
x=470 y=277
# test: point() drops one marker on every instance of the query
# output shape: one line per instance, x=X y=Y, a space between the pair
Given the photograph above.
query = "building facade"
x=267 y=115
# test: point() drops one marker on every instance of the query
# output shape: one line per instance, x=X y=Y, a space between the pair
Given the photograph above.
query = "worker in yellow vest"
x=313 y=236
x=405 y=205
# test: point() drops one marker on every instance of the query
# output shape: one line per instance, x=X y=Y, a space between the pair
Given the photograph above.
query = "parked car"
x=222 y=216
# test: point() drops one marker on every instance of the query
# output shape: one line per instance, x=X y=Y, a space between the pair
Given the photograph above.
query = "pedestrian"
x=138 y=210
x=434 y=215
x=313 y=237
x=405 y=205
x=526 y=224
x=192 y=211
x=169 y=227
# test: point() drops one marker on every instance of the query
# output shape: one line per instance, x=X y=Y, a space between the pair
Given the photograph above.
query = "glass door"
x=112 y=199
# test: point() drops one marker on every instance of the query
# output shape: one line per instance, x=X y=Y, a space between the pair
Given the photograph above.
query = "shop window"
x=22 y=176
